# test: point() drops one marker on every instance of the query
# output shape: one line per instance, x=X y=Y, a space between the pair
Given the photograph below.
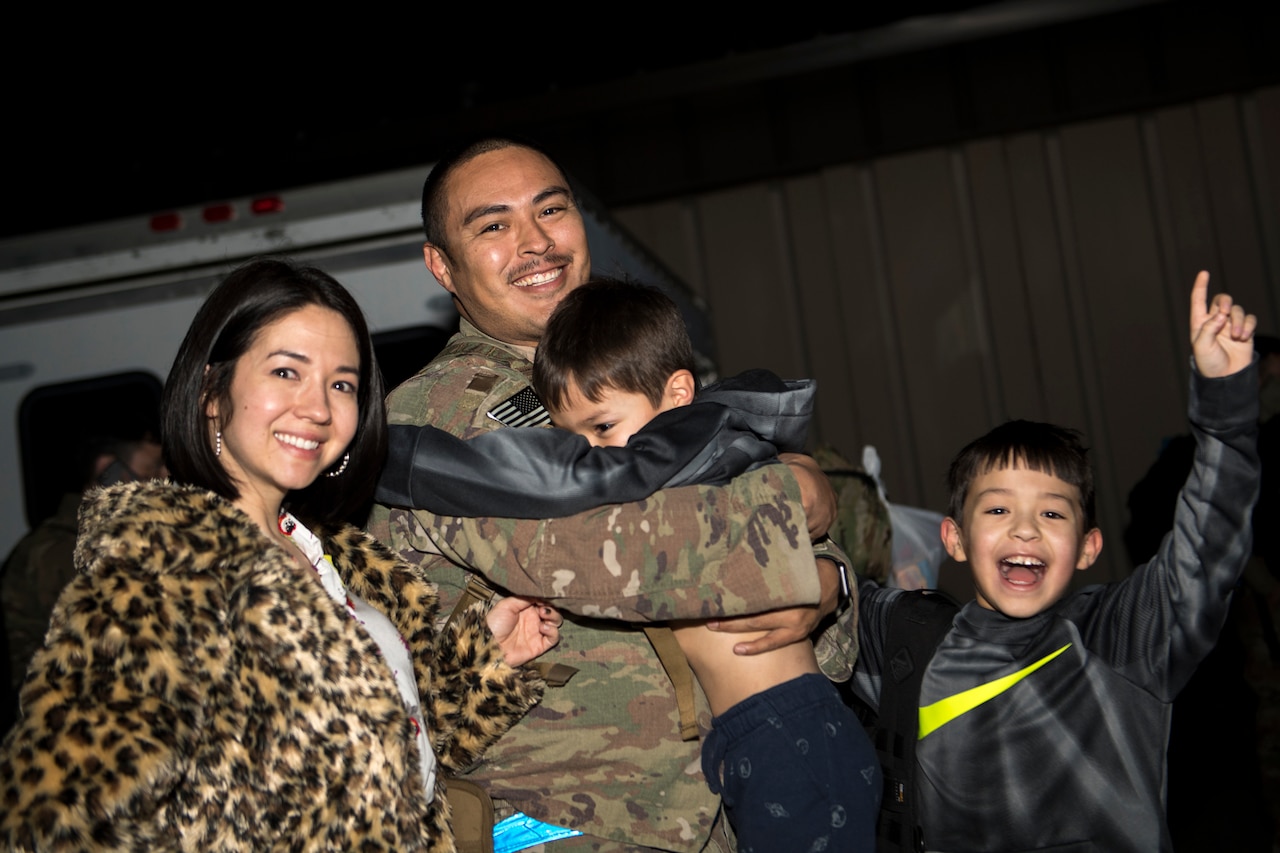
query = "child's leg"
x=796 y=771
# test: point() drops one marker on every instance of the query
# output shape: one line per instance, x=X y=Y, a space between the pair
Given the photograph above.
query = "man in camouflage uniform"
x=603 y=753
x=40 y=565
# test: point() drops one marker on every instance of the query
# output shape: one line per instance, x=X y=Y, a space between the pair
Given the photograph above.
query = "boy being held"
x=1043 y=717
x=792 y=762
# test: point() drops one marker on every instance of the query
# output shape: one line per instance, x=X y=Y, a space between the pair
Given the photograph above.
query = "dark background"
x=123 y=114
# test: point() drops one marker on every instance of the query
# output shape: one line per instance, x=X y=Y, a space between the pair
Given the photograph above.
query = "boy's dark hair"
x=1049 y=449
x=610 y=334
x=433 y=189
x=252 y=297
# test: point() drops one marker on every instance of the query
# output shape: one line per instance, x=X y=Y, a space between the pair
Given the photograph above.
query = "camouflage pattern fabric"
x=862 y=526
x=603 y=754
x=837 y=648
x=863 y=530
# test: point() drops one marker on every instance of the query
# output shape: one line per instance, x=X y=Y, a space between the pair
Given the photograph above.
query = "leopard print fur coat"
x=197 y=690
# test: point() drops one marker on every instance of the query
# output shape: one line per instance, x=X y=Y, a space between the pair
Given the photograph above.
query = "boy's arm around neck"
x=551 y=473
x=695 y=552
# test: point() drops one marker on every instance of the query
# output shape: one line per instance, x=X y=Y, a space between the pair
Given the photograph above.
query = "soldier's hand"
x=816 y=494
x=786 y=626
x=523 y=627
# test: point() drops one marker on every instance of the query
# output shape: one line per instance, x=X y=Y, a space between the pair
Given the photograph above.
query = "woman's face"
x=294 y=410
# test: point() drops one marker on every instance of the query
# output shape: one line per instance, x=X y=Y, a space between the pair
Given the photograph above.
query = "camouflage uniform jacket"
x=603 y=754
x=33 y=576
x=198 y=690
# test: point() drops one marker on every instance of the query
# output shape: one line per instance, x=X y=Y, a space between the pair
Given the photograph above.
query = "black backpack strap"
x=917 y=623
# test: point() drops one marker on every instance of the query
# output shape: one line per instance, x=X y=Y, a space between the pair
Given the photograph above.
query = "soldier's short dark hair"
x=434 y=198
x=1047 y=448
x=250 y=298
x=610 y=334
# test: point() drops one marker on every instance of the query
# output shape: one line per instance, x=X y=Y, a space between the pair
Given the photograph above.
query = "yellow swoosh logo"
x=937 y=715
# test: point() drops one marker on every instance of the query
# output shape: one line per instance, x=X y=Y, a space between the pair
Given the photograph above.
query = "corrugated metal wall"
x=1040 y=275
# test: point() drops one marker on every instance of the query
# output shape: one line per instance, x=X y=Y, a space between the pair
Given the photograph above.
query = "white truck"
x=91 y=317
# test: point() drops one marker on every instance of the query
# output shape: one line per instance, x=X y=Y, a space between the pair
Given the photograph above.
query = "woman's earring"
x=346 y=457
x=217 y=446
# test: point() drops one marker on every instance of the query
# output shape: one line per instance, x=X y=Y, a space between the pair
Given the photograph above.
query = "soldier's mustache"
x=546 y=261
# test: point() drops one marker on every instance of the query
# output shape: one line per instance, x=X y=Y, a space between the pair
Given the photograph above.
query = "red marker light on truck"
x=219 y=213
x=166 y=222
x=267 y=204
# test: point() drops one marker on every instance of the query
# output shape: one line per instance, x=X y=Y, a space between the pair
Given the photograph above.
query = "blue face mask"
x=521 y=831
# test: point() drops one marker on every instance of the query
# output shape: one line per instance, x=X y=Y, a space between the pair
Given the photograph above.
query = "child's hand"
x=1222 y=335
x=523 y=627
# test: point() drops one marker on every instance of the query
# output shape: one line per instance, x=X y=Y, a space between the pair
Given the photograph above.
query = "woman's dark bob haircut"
x=249 y=299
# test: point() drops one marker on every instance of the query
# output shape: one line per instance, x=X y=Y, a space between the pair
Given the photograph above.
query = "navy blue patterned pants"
x=796 y=771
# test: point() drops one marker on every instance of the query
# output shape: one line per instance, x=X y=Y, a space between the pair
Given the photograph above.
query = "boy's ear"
x=680 y=389
x=438 y=265
x=953 y=540
x=1090 y=548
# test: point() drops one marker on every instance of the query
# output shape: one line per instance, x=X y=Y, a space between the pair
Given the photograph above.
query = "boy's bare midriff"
x=727 y=678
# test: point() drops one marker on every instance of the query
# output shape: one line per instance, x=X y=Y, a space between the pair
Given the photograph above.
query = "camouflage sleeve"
x=695 y=552
x=862 y=523
x=854 y=646
x=837 y=647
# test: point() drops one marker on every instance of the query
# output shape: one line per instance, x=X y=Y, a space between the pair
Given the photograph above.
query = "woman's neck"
x=263 y=510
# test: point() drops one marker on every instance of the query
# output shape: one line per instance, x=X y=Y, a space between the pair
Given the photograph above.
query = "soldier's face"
x=516 y=244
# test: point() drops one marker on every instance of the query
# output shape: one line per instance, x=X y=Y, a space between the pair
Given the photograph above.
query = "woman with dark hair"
x=221 y=676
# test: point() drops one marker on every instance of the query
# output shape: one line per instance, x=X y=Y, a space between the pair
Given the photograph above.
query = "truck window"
x=58 y=423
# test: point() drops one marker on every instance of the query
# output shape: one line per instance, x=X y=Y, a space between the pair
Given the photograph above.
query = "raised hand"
x=523 y=627
x=1221 y=332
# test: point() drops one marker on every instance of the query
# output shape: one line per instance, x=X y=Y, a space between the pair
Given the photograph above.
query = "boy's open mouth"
x=1021 y=570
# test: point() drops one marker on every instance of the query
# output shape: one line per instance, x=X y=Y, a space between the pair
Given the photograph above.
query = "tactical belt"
x=663 y=640
x=471 y=816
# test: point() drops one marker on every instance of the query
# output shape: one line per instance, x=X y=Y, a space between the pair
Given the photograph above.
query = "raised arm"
x=1157 y=624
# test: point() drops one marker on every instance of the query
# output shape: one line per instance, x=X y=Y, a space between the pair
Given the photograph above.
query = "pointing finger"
x=1199 y=301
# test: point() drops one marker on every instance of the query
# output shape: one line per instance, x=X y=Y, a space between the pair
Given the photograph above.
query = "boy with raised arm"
x=1043 y=717
x=792 y=763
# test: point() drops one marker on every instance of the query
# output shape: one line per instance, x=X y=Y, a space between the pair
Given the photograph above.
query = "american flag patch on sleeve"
x=522 y=409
